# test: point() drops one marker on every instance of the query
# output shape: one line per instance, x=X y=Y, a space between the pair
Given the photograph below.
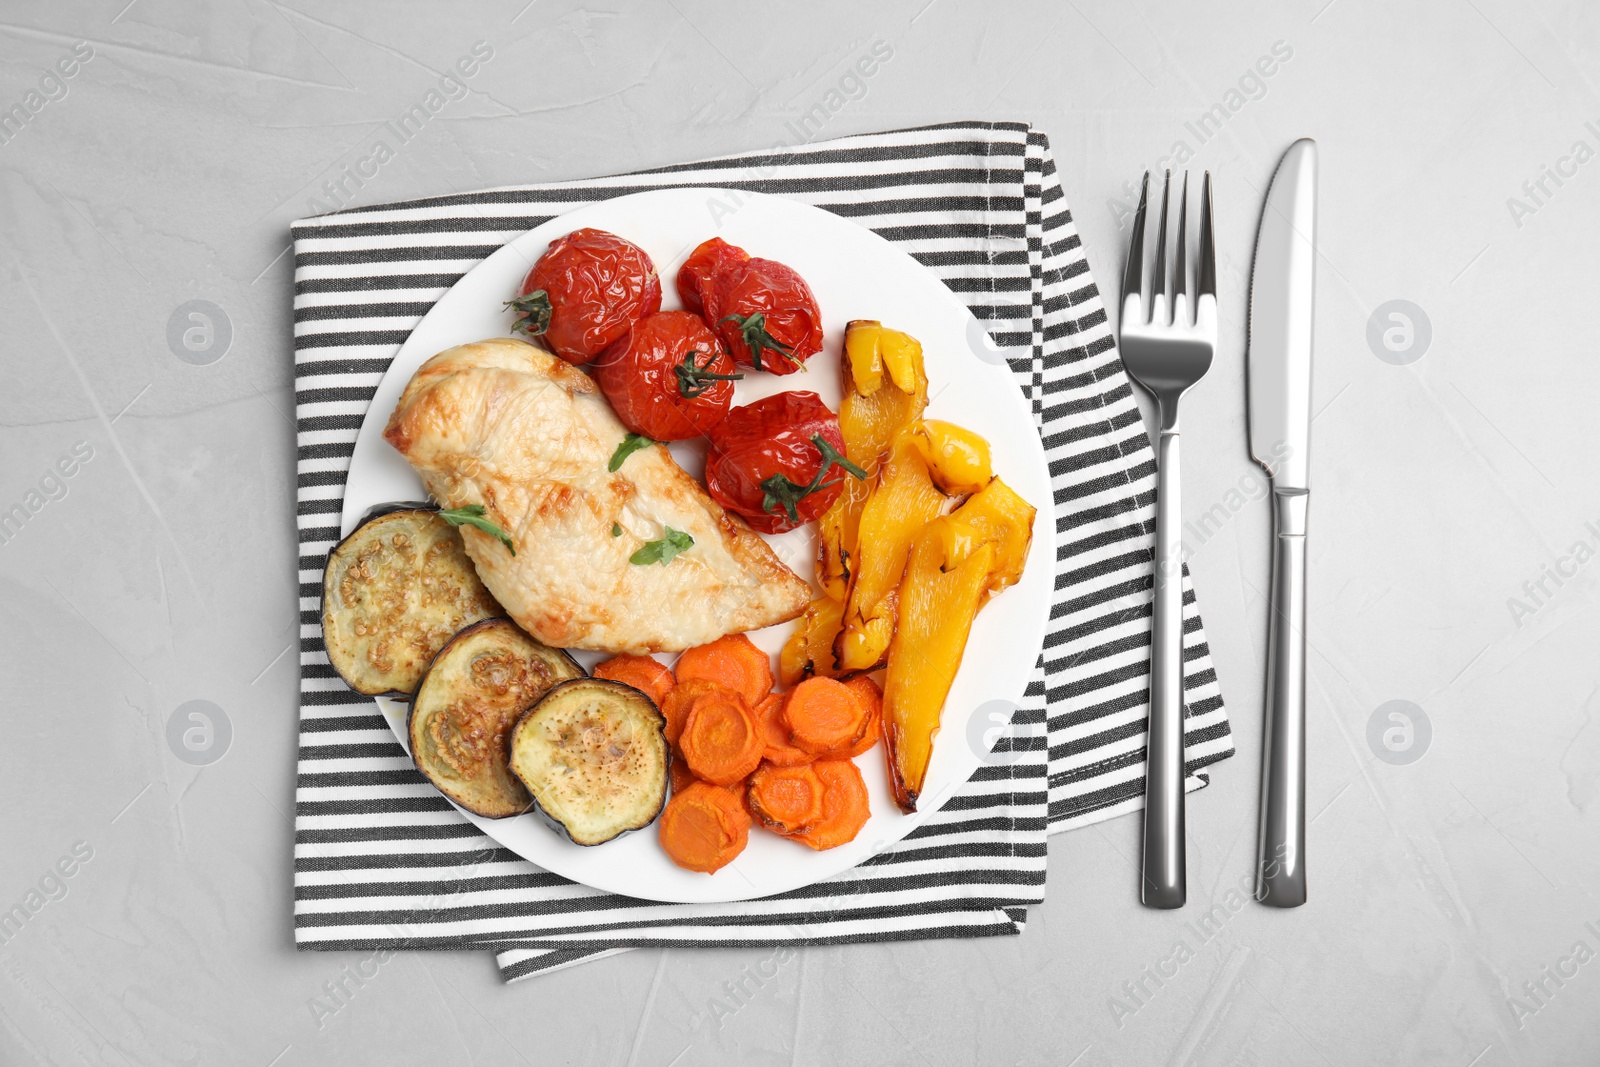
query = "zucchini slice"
x=594 y=755
x=393 y=593
x=469 y=700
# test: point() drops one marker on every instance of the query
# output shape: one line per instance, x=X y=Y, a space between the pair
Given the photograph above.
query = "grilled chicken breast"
x=505 y=424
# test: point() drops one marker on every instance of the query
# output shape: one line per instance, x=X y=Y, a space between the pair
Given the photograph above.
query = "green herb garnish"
x=537 y=311
x=473 y=515
x=663 y=551
x=693 y=380
x=630 y=444
x=616 y=531
x=756 y=337
x=780 y=492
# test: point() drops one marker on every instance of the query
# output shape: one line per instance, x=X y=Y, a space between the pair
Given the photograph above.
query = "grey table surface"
x=1453 y=917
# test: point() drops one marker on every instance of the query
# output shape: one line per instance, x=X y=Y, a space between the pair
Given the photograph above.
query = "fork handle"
x=1164 y=877
x=1281 y=856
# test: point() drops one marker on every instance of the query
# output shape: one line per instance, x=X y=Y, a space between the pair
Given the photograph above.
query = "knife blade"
x=1278 y=374
x=1281 y=289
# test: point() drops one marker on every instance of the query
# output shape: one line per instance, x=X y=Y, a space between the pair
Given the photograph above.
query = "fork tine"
x=1180 y=261
x=1133 y=273
x=1205 y=282
x=1158 y=279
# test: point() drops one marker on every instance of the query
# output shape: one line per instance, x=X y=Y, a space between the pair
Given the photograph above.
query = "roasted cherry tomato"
x=778 y=462
x=585 y=292
x=763 y=311
x=668 y=377
x=697 y=278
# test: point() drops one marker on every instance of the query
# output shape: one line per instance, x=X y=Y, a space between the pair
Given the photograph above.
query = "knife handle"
x=1164 y=878
x=1281 y=857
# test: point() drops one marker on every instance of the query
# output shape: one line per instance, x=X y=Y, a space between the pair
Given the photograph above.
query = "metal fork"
x=1166 y=354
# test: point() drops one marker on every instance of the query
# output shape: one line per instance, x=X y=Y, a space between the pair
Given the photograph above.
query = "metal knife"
x=1282 y=283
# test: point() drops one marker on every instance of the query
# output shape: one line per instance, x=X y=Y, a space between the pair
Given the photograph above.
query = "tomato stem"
x=753 y=327
x=779 y=491
x=694 y=380
x=536 y=311
x=831 y=455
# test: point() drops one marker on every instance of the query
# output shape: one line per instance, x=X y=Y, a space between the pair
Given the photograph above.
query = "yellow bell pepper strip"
x=870 y=350
x=958 y=457
x=994 y=515
x=902 y=357
x=938 y=602
x=863 y=364
x=836 y=537
x=809 y=650
x=958 y=562
x=868 y=420
x=901 y=504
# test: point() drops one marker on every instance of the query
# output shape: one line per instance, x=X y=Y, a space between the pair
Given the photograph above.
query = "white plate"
x=856 y=275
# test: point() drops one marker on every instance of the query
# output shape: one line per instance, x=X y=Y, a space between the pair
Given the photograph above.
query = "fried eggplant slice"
x=393 y=593
x=469 y=700
x=593 y=754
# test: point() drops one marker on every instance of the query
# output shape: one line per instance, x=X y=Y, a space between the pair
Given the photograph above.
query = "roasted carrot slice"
x=720 y=738
x=682 y=776
x=845 y=807
x=779 y=750
x=680 y=700
x=871 y=697
x=824 y=717
x=734 y=661
x=785 y=800
x=704 y=827
x=645 y=673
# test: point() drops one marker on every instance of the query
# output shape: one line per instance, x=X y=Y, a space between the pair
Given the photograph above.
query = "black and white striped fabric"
x=383 y=861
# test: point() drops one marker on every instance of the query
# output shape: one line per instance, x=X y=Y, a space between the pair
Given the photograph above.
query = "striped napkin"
x=383 y=861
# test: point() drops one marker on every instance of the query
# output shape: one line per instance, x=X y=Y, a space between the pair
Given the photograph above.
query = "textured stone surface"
x=169 y=171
